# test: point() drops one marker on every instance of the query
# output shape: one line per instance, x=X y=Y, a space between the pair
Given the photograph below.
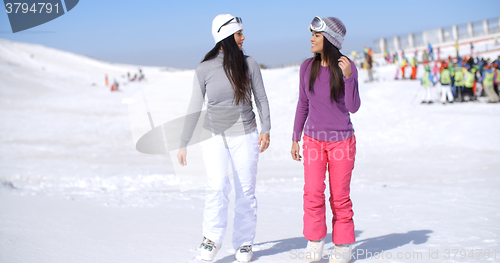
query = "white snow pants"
x=446 y=91
x=427 y=94
x=223 y=155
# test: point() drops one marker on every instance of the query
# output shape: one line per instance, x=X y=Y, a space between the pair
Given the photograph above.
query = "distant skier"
x=445 y=80
x=134 y=78
x=115 y=85
x=431 y=53
x=496 y=79
x=469 y=84
x=451 y=67
x=487 y=81
x=141 y=76
x=459 y=83
x=414 y=64
x=425 y=58
x=369 y=67
x=426 y=81
x=397 y=63
x=435 y=70
x=387 y=57
x=497 y=61
x=404 y=64
x=477 y=77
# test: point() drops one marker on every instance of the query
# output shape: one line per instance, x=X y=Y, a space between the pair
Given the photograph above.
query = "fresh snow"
x=74 y=188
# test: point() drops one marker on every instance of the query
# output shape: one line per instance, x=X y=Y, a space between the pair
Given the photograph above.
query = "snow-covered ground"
x=74 y=188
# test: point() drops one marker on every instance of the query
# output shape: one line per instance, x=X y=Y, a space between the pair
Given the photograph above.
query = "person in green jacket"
x=487 y=81
x=469 y=84
x=445 y=80
x=426 y=82
x=496 y=79
x=459 y=82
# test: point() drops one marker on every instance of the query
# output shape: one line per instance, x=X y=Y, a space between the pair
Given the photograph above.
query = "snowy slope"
x=74 y=189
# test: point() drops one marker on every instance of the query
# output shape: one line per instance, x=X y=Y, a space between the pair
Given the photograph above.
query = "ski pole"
x=416 y=95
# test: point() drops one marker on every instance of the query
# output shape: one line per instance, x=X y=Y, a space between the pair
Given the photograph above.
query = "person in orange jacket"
x=404 y=63
x=443 y=66
x=414 y=64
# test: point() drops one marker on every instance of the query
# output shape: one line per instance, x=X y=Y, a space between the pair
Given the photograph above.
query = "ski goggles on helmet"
x=319 y=25
x=238 y=20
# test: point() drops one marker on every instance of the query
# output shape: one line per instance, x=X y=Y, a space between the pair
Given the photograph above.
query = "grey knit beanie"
x=337 y=27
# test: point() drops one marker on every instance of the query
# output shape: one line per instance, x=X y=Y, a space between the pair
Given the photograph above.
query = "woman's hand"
x=264 y=141
x=345 y=66
x=295 y=151
x=181 y=157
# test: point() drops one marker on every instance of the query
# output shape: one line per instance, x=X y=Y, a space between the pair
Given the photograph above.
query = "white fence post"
x=437 y=36
x=485 y=27
x=382 y=45
x=411 y=41
x=396 y=43
x=470 y=29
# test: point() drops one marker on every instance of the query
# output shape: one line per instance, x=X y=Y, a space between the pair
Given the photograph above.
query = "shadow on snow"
x=370 y=245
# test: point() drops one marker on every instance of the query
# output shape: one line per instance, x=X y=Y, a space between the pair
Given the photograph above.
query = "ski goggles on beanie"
x=318 y=25
x=238 y=20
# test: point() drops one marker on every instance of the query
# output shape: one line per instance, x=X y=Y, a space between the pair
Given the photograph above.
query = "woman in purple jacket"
x=328 y=92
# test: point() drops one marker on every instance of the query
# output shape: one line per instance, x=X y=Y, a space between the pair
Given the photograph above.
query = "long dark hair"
x=332 y=56
x=236 y=68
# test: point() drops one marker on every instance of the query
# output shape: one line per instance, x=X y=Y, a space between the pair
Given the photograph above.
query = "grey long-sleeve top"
x=223 y=116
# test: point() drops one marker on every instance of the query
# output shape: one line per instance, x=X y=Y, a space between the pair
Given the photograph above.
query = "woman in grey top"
x=227 y=79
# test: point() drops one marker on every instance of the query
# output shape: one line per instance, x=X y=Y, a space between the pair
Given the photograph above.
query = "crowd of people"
x=137 y=77
x=462 y=79
x=403 y=62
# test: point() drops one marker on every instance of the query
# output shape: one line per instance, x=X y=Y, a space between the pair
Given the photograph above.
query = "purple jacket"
x=326 y=119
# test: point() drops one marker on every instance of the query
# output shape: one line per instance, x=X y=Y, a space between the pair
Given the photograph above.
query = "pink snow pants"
x=338 y=157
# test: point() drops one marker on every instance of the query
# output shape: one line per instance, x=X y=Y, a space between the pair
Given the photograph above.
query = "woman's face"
x=239 y=37
x=317 y=42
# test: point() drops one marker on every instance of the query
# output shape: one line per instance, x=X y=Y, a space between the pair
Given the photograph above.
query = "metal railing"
x=448 y=34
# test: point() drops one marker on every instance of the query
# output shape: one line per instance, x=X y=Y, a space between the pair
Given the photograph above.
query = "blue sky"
x=178 y=33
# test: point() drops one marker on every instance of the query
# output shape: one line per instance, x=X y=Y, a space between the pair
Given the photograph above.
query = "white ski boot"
x=202 y=244
x=314 y=250
x=244 y=253
x=341 y=254
x=209 y=250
